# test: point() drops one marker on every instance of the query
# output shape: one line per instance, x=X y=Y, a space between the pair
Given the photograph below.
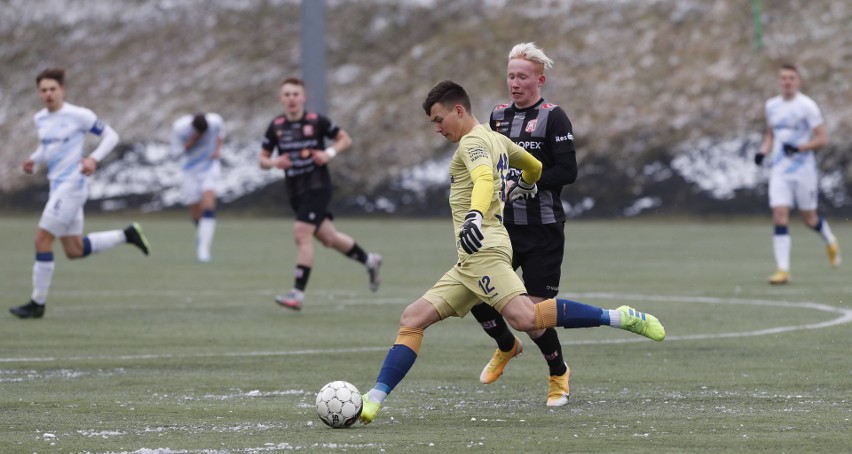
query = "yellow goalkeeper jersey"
x=484 y=147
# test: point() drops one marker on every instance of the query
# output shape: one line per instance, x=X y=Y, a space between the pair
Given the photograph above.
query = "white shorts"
x=63 y=213
x=799 y=192
x=196 y=184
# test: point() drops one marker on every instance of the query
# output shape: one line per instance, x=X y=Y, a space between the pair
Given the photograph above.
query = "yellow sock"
x=410 y=337
x=545 y=314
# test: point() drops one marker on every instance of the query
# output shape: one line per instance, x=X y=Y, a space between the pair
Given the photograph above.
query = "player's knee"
x=326 y=241
x=414 y=317
x=521 y=321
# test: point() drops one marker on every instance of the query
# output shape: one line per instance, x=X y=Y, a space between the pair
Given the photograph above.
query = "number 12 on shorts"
x=485 y=285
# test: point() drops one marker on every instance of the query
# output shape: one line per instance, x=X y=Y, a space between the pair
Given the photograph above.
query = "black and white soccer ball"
x=339 y=404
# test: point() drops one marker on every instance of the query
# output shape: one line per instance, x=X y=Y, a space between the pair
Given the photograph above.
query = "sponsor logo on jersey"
x=308 y=130
x=531 y=125
x=51 y=140
x=529 y=144
x=501 y=106
x=569 y=136
x=548 y=106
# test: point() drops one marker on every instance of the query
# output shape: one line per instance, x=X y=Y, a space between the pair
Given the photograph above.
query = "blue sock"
x=87 y=246
x=781 y=230
x=818 y=225
x=397 y=363
x=208 y=214
x=571 y=314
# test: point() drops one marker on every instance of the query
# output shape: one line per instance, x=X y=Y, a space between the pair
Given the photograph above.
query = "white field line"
x=844 y=316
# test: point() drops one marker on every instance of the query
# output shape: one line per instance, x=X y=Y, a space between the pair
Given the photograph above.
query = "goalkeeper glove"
x=790 y=149
x=471 y=235
x=758 y=158
x=522 y=190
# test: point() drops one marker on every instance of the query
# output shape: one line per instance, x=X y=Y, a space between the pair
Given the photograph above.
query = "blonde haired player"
x=483 y=273
x=536 y=226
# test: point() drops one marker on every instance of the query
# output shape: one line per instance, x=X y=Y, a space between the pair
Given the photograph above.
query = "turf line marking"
x=845 y=313
x=845 y=316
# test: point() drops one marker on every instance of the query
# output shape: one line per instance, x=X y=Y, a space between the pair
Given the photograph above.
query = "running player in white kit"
x=62 y=129
x=795 y=129
x=198 y=140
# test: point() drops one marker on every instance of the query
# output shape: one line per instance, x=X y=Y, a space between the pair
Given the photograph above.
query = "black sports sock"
x=550 y=347
x=493 y=324
x=302 y=274
x=356 y=253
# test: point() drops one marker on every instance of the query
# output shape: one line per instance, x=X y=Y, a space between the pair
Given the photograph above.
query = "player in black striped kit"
x=535 y=226
x=299 y=139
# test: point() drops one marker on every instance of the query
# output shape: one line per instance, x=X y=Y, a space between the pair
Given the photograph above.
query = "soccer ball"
x=339 y=404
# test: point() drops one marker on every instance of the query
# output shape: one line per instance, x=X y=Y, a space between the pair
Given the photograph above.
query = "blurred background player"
x=536 y=226
x=483 y=273
x=198 y=140
x=794 y=130
x=62 y=129
x=298 y=137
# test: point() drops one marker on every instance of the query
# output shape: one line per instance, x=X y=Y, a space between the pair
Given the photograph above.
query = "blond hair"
x=533 y=53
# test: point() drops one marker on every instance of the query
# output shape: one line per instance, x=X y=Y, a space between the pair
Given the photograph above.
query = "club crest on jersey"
x=531 y=125
x=308 y=130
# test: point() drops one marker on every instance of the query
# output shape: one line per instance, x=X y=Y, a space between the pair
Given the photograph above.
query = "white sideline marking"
x=845 y=316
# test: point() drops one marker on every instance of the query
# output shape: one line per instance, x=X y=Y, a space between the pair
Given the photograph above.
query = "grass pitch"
x=163 y=354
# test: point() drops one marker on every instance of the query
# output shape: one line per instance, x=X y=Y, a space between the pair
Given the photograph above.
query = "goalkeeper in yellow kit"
x=483 y=273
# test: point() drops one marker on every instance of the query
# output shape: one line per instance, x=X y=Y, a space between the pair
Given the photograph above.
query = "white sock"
x=376 y=396
x=614 y=318
x=825 y=232
x=42 y=275
x=781 y=246
x=206 y=229
x=102 y=241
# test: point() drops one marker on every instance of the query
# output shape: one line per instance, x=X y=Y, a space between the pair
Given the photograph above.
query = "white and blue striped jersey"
x=197 y=159
x=792 y=122
x=62 y=135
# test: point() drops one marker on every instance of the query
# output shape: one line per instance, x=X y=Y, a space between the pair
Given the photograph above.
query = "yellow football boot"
x=557 y=393
x=494 y=369
x=641 y=323
x=780 y=277
x=369 y=410
x=834 y=254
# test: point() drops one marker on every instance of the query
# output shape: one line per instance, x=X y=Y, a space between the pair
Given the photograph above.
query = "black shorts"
x=538 y=251
x=312 y=206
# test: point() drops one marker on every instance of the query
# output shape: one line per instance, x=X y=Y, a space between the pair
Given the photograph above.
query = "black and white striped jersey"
x=545 y=131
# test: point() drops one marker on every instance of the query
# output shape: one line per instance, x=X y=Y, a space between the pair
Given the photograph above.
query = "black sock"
x=358 y=254
x=493 y=324
x=549 y=345
x=302 y=273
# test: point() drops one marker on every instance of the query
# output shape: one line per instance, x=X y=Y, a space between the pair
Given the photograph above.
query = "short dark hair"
x=447 y=93
x=57 y=74
x=293 y=81
x=791 y=67
x=199 y=122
